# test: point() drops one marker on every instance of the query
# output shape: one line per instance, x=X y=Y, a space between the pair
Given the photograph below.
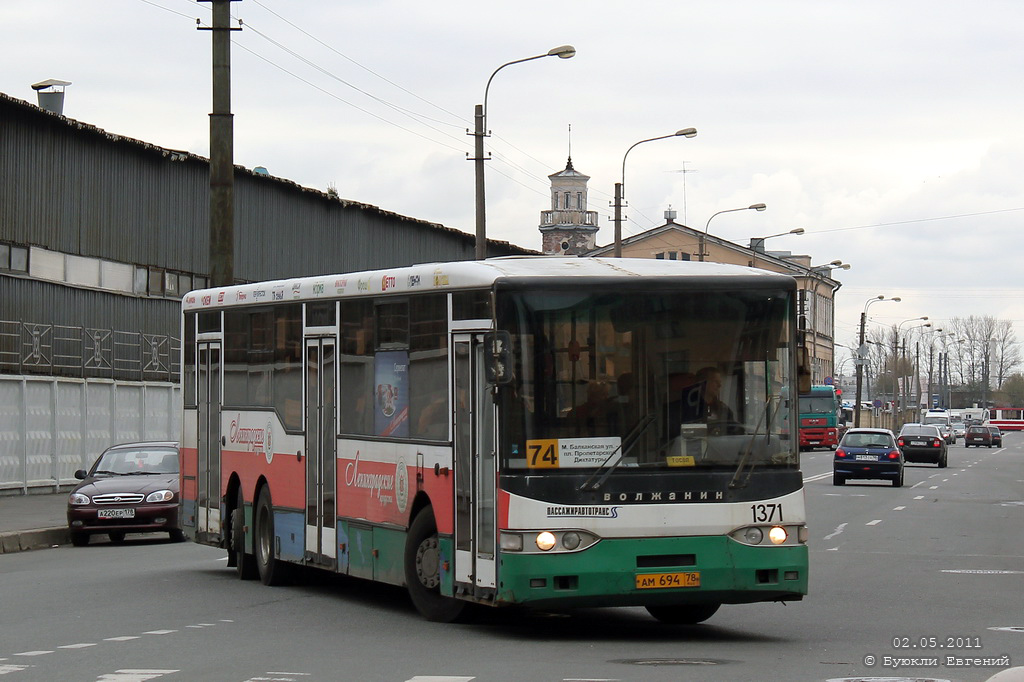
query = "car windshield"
x=867 y=440
x=134 y=461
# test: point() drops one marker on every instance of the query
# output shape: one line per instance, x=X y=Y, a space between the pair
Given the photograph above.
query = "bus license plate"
x=116 y=514
x=662 y=580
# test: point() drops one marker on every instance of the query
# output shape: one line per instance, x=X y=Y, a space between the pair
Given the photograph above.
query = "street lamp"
x=704 y=237
x=817 y=273
x=479 y=132
x=619 y=186
x=895 y=360
x=861 y=354
x=757 y=243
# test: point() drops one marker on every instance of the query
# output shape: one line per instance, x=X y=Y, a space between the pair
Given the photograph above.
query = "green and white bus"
x=554 y=432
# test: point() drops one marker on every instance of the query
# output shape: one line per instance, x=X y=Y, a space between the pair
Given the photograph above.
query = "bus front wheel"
x=683 y=614
x=423 y=571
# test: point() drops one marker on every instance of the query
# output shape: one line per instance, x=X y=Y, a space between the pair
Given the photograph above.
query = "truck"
x=819 y=418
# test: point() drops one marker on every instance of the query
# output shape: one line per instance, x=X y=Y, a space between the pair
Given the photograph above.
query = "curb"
x=41 y=538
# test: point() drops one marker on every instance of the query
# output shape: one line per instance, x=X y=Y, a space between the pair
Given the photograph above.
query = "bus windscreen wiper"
x=745 y=457
x=631 y=439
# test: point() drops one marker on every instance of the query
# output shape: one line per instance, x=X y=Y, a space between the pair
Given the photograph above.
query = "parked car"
x=869 y=454
x=130 y=488
x=922 y=443
x=978 y=436
x=997 y=436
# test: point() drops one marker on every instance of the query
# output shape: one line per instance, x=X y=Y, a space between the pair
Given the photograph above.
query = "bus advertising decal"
x=391 y=396
x=258 y=441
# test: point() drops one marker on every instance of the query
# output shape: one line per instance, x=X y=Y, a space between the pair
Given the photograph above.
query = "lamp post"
x=757 y=243
x=895 y=361
x=480 y=131
x=704 y=237
x=862 y=354
x=915 y=389
x=620 y=186
x=815 y=272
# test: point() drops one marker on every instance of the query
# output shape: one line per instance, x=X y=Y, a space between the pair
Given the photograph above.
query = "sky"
x=890 y=131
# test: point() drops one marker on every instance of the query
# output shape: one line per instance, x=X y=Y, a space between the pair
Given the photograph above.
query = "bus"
x=1007 y=418
x=819 y=418
x=543 y=431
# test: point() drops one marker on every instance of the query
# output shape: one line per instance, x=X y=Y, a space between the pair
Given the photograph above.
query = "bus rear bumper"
x=610 y=573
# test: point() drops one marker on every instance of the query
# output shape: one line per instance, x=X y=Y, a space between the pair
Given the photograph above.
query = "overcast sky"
x=891 y=131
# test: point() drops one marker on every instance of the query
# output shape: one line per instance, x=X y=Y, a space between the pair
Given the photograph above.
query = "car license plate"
x=661 y=580
x=918 y=442
x=116 y=514
x=867 y=458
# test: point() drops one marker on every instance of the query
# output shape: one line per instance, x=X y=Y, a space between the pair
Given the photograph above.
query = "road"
x=939 y=558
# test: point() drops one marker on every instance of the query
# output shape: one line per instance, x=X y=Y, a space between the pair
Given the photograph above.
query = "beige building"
x=569 y=229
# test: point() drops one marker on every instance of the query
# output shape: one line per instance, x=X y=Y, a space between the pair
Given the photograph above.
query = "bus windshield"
x=659 y=377
x=818 y=405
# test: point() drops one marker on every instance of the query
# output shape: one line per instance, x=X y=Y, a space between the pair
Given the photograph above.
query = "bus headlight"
x=512 y=542
x=571 y=540
x=777 y=535
x=753 y=535
x=545 y=540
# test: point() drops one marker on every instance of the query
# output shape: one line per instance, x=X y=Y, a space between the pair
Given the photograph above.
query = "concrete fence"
x=52 y=426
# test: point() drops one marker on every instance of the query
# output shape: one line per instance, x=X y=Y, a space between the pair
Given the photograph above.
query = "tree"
x=1011 y=392
x=987 y=350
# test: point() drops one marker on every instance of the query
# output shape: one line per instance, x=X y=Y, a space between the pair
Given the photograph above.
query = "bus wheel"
x=683 y=614
x=245 y=564
x=423 y=571
x=271 y=570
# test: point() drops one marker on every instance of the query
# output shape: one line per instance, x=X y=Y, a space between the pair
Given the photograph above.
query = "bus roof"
x=456 y=275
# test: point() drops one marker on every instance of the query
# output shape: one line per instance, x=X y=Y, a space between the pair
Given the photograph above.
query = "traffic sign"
x=828 y=381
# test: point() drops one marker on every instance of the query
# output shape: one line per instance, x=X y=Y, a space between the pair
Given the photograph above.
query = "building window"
x=566 y=204
x=19 y=259
x=579 y=200
x=156 y=282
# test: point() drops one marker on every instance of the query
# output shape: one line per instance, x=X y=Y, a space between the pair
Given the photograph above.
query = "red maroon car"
x=131 y=488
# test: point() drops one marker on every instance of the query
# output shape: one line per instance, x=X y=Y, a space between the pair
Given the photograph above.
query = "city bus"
x=543 y=431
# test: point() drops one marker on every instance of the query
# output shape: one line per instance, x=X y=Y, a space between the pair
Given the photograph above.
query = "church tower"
x=568 y=228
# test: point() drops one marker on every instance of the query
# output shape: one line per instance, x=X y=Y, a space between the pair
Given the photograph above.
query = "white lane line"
x=133 y=675
x=873 y=523
x=440 y=678
x=919 y=497
x=839 y=529
x=121 y=639
x=159 y=632
x=917 y=484
x=77 y=646
x=945 y=480
x=817 y=477
x=11 y=668
x=33 y=653
x=898 y=508
x=933 y=487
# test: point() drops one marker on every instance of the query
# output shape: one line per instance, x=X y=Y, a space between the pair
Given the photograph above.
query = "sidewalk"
x=34 y=521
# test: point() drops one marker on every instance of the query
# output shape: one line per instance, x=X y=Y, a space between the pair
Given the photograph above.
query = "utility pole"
x=222 y=165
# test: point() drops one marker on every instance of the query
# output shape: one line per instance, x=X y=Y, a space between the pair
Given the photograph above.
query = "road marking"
x=919 y=497
x=945 y=480
x=933 y=487
x=439 y=678
x=77 y=646
x=917 y=484
x=837 y=531
x=898 y=508
x=159 y=632
x=873 y=523
x=33 y=653
x=11 y=668
x=133 y=675
x=121 y=639
x=817 y=477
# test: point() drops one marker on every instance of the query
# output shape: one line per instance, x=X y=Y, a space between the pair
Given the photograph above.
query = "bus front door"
x=321 y=483
x=208 y=440
x=475 y=477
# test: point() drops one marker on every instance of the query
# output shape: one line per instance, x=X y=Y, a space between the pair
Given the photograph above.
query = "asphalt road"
x=939 y=558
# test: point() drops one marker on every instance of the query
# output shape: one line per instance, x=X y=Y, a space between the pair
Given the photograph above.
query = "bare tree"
x=986 y=348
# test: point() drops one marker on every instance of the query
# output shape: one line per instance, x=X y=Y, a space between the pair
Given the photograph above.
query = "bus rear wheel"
x=245 y=564
x=683 y=614
x=272 y=571
x=423 y=571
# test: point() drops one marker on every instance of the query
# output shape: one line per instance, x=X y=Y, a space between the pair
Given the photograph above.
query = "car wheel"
x=942 y=462
x=116 y=536
x=898 y=481
x=272 y=571
x=423 y=571
x=683 y=614
x=79 y=539
x=838 y=480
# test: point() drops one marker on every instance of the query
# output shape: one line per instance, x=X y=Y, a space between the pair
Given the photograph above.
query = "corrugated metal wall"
x=75 y=188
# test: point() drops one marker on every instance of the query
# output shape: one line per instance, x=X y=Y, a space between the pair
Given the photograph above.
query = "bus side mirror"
x=803 y=370
x=497 y=346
